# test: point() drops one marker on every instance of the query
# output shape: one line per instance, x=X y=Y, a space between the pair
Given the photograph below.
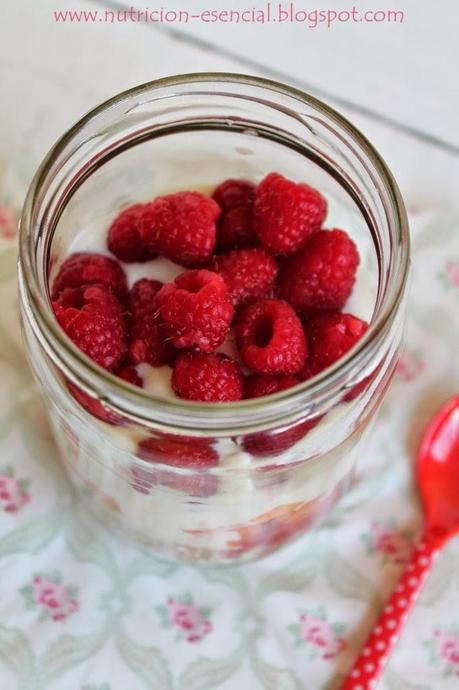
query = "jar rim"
x=293 y=400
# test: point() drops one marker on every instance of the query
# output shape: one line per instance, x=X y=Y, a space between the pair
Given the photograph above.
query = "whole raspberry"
x=197 y=310
x=235 y=226
x=329 y=337
x=270 y=338
x=321 y=276
x=258 y=386
x=91 y=316
x=248 y=273
x=123 y=238
x=197 y=458
x=149 y=342
x=180 y=227
x=286 y=214
x=86 y=269
x=207 y=377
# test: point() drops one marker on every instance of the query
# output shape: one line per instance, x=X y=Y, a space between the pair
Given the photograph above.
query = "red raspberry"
x=149 y=342
x=248 y=273
x=287 y=214
x=231 y=193
x=267 y=443
x=197 y=310
x=129 y=374
x=329 y=337
x=235 y=226
x=360 y=388
x=258 y=386
x=207 y=377
x=93 y=405
x=91 y=316
x=123 y=238
x=86 y=269
x=321 y=276
x=180 y=227
x=197 y=458
x=270 y=338
x=200 y=442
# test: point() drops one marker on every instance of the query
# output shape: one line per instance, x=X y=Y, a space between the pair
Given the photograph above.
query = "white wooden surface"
x=404 y=71
x=394 y=70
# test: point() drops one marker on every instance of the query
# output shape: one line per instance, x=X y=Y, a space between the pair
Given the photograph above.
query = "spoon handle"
x=373 y=657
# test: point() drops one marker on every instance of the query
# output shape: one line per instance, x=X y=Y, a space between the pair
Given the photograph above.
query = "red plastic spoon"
x=438 y=480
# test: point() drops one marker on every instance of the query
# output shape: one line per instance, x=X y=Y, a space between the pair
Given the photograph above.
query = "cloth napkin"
x=81 y=609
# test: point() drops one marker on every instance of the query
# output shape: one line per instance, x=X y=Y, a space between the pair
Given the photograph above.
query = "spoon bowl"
x=438 y=470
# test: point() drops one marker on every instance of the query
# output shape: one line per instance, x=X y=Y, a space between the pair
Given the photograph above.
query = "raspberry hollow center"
x=263 y=332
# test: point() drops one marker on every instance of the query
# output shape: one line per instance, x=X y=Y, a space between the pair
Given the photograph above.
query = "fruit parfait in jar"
x=212 y=298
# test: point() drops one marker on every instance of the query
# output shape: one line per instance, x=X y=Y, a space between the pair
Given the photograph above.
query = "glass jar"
x=283 y=460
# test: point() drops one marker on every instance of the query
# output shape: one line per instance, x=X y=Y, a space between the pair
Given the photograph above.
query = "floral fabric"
x=82 y=609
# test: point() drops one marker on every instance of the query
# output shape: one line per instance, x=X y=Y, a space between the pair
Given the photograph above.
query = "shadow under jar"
x=283 y=460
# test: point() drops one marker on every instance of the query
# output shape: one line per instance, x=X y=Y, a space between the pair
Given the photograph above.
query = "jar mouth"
x=138 y=404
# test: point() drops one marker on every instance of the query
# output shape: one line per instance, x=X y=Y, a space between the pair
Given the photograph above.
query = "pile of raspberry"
x=259 y=270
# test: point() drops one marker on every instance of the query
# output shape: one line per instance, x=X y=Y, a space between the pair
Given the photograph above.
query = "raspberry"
x=270 y=338
x=207 y=377
x=258 y=386
x=148 y=336
x=123 y=238
x=321 y=276
x=235 y=226
x=330 y=336
x=93 y=406
x=231 y=193
x=286 y=214
x=129 y=374
x=197 y=310
x=194 y=457
x=91 y=316
x=180 y=227
x=200 y=442
x=85 y=269
x=359 y=388
x=248 y=273
x=266 y=443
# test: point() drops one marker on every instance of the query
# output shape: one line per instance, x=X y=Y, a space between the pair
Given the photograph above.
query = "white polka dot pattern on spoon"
x=385 y=634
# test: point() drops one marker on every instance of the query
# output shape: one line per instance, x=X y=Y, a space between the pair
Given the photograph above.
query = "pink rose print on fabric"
x=324 y=639
x=444 y=650
x=13 y=492
x=51 y=597
x=8 y=228
x=452 y=273
x=449 y=275
x=386 y=540
x=190 y=621
x=410 y=366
